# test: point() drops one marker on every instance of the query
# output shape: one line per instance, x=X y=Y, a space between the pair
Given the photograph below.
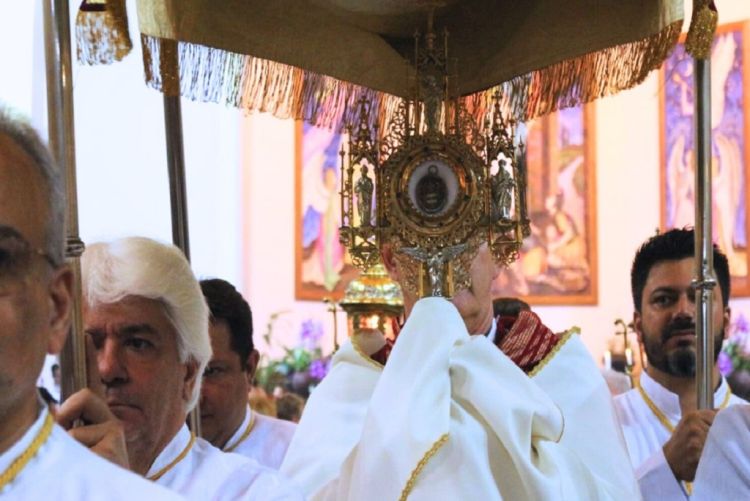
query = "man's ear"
x=637 y=324
x=60 y=293
x=191 y=379
x=251 y=365
x=727 y=321
x=388 y=257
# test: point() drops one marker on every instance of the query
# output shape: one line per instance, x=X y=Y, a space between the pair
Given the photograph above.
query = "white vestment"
x=64 y=470
x=645 y=435
x=268 y=439
x=451 y=417
x=724 y=468
x=207 y=473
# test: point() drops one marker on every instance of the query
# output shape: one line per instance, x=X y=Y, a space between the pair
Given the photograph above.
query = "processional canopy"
x=430 y=149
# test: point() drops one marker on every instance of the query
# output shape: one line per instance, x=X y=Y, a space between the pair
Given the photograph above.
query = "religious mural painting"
x=729 y=151
x=322 y=267
x=558 y=264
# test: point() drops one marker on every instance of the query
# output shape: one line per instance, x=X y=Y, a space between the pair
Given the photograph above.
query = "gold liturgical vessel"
x=434 y=186
x=373 y=301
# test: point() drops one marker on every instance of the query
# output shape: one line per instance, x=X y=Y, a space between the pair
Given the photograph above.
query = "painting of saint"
x=728 y=149
x=557 y=263
x=322 y=267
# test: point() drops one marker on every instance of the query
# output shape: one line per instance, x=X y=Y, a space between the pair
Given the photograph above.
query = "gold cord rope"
x=664 y=420
x=156 y=476
x=245 y=433
x=27 y=455
x=420 y=466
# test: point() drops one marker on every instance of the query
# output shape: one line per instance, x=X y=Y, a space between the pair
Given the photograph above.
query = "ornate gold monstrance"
x=441 y=186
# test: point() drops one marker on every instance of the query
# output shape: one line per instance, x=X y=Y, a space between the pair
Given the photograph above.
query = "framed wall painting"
x=322 y=266
x=558 y=262
x=730 y=82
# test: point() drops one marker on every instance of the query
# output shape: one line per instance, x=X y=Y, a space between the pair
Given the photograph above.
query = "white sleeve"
x=724 y=468
x=657 y=481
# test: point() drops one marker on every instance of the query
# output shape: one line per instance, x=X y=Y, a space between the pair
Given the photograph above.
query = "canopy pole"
x=178 y=197
x=705 y=279
x=60 y=123
x=176 y=168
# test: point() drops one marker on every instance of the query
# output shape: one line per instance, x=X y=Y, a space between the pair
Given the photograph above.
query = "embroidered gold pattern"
x=563 y=339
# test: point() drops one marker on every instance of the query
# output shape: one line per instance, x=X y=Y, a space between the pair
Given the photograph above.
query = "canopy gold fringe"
x=102 y=35
x=254 y=84
x=579 y=80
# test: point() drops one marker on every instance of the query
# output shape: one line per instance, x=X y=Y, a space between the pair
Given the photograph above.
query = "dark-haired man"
x=663 y=430
x=227 y=420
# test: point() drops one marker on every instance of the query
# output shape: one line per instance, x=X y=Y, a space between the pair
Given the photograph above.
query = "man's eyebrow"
x=130 y=329
x=10 y=232
x=671 y=289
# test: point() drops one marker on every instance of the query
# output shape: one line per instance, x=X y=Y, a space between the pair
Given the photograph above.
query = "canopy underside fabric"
x=313 y=59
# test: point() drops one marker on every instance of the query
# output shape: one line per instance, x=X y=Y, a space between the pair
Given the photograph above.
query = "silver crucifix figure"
x=435 y=263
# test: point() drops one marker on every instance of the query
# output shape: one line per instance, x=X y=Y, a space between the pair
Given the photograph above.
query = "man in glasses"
x=35 y=301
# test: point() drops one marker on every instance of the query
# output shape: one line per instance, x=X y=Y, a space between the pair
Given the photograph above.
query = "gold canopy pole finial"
x=333 y=309
x=62 y=143
x=628 y=351
x=699 y=41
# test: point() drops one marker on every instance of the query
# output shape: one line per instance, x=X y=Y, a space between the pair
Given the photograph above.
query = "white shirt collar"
x=235 y=440
x=493 y=331
x=668 y=402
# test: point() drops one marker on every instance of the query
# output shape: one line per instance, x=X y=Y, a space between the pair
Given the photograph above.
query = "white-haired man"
x=148 y=323
x=38 y=459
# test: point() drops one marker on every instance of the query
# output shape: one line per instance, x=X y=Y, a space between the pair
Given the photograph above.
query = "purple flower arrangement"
x=301 y=368
x=735 y=355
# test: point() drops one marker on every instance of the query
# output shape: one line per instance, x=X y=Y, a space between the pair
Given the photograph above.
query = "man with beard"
x=663 y=429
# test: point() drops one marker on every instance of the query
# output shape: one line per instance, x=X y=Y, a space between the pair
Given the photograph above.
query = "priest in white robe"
x=647 y=424
x=199 y=471
x=38 y=458
x=450 y=416
x=263 y=438
x=663 y=430
x=148 y=324
x=227 y=420
x=724 y=468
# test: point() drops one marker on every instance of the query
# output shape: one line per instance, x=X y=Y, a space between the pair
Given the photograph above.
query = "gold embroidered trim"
x=420 y=466
x=214 y=75
x=18 y=464
x=364 y=355
x=245 y=434
x=664 y=420
x=563 y=339
x=156 y=476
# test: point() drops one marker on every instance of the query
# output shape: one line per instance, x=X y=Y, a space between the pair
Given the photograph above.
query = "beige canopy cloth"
x=312 y=59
